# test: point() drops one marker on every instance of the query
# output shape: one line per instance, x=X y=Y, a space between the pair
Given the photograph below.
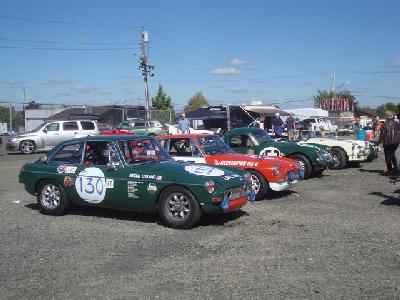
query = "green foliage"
x=161 y=100
x=17 y=119
x=324 y=94
x=381 y=109
x=197 y=101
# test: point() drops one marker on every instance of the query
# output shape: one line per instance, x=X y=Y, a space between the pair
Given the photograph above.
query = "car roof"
x=184 y=136
x=243 y=130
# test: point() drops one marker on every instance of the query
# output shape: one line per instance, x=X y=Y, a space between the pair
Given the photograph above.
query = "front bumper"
x=11 y=146
x=292 y=178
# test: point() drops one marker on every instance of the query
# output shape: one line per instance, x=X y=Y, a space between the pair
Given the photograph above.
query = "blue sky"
x=86 y=52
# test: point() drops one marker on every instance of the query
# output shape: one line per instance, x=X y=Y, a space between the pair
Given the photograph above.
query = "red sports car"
x=275 y=173
x=107 y=129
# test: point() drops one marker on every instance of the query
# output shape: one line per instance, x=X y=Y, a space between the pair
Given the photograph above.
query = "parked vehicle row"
x=181 y=177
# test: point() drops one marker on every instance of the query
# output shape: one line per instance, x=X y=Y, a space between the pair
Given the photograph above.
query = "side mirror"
x=44 y=130
x=112 y=166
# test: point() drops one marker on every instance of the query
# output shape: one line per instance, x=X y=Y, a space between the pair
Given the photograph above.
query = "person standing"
x=324 y=127
x=277 y=125
x=390 y=138
x=375 y=126
x=290 y=127
x=183 y=124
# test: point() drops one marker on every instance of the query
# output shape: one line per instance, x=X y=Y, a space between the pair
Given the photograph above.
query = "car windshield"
x=141 y=150
x=213 y=145
x=261 y=136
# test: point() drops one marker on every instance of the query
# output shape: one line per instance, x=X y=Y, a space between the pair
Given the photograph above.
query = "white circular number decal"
x=91 y=185
x=204 y=170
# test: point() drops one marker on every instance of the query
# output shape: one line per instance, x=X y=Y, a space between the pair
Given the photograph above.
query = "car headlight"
x=14 y=140
x=247 y=176
x=209 y=186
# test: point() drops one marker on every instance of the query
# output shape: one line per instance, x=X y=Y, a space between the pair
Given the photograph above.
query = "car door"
x=70 y=130
x=51 y=134
x=185 y=150
x=101 y=181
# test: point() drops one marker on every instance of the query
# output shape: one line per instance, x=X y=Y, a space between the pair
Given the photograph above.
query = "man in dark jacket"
x=390 y=137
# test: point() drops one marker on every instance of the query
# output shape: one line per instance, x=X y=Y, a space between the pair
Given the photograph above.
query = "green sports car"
x=314 y=159
x=132 y=173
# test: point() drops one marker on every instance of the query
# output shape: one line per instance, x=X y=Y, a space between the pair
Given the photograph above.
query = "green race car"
x=314 y=159
x=132 y=173
x=144 y=127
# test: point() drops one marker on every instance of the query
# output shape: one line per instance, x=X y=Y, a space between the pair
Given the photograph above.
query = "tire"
x=51 y=198
x=178 y=208
x=305 y=163
x=27 y=146
x=339 y=159
x=259 y=184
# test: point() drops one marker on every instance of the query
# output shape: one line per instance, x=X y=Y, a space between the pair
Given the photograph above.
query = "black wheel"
x=259 y=185
x=51 y=198
x=339 y=159
x=178 y=208
x=304 y=162
x=27 y=147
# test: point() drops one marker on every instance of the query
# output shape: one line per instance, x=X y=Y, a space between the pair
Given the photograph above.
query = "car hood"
x=25 y=135
x=188 y=173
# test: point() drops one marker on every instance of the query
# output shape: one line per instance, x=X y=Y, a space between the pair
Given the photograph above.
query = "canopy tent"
x=206 y=113
x=268 y=111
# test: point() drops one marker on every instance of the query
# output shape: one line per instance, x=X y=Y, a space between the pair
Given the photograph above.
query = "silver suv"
x=49 y=134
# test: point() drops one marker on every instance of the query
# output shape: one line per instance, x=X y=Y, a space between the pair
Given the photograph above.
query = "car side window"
x=53 y=127
x=97 y=153
x=183 y=147
x=87 y=125
x=236 y=141
x=68 y=126
x=68 y=154
x=140 y=124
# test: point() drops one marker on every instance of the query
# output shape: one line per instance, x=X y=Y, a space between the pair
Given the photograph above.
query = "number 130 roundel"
x=90 y=185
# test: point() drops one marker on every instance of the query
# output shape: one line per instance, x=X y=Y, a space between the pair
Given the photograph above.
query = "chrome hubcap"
x=255 y=184
x=27 y=147
x=50 y=196
x=178 y=206
x=336 y=160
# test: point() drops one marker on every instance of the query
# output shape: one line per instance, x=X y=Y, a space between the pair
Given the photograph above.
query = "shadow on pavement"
x=380 y=172
x=272 y=195
x=124 y=215
x=389 y=200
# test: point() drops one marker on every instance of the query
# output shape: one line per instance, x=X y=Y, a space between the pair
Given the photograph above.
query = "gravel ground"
x=331 y=237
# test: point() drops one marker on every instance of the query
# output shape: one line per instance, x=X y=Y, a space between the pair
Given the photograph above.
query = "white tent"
x=304 y=113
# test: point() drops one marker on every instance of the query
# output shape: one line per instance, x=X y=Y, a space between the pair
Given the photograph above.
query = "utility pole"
x=11 y=119
x=146 y=69
x=333 y=85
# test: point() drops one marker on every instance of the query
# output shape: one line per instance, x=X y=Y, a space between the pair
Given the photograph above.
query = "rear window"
x=86 y=125
x=70 y=126
x=140 y=124
x=155 y=124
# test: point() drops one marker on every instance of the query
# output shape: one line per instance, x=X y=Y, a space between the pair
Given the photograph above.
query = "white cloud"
x=83 y=89
x=13 y=83
x=239 y=89
x=238 y=63
x=57 y=81
x=225 y=71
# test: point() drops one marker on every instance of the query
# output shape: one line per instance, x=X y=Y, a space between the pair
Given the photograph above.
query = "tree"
x=381 y=109
x=161 y=101
x=197 y=101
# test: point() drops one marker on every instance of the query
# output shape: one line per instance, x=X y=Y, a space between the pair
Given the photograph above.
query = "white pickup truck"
x=315 y=124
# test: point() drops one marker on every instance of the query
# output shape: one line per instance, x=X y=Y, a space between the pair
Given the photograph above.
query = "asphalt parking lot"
x=331 y=237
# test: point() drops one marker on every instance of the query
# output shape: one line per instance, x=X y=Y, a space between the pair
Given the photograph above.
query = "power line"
x=66 y=49
x=65 y=22
x=72 y=42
